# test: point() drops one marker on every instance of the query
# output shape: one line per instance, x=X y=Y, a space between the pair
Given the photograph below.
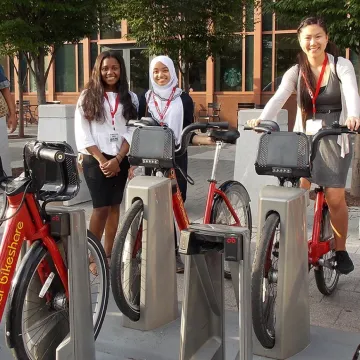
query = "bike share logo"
x=232 y=77
x=6 y=269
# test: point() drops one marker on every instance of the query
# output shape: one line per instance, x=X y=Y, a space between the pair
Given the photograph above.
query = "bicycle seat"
x=227 y=136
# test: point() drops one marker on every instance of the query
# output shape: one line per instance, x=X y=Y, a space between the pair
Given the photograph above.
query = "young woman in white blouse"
x=103 y=140
x=327 y=90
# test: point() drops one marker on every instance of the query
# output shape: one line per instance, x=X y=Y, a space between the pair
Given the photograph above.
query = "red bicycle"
x=38 y=296
x=321 y=245
x=227 y=204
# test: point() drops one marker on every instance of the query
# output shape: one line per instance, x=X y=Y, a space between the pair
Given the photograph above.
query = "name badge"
x=313 y=126
x=114 y=137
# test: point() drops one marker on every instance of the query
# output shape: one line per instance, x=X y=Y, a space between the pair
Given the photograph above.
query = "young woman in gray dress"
x=337 y=100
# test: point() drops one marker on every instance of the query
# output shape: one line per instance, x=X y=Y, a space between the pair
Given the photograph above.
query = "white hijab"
x=175 y=113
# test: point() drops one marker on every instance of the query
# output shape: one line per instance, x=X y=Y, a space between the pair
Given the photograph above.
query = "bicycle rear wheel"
x=220 y=214
x=326 y=276
x=126 y=262
x=264 y=282
x=39 y=325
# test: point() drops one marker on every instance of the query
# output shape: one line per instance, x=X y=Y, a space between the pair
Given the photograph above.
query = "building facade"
x=248 y=73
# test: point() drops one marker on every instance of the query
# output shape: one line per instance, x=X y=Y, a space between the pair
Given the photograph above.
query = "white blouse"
x=350 y=98
x=89 y=133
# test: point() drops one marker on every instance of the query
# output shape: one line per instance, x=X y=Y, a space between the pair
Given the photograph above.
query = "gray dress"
x=329 y=168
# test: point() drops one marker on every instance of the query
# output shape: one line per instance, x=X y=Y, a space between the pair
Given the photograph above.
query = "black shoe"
x=343 y=262
x=179 y=264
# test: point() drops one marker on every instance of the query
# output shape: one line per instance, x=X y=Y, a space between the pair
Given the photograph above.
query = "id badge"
x=313 y=126
x=114 y=137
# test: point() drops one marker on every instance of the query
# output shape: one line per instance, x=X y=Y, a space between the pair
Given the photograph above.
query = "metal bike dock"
x=203 y=326
x=158 y=294
x=70 y=225
x=292 y=312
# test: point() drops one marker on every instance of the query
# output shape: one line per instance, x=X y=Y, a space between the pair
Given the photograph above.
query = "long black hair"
x=93 y=100
x=305 y=99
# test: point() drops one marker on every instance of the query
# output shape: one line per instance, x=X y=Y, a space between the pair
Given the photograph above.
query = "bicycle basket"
x=153 y=147
x=284 y=155
x=53 y=181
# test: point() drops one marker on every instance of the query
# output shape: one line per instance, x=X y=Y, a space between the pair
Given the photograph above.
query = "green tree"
x=38 y=27
x=343 y=21
x=185 y=30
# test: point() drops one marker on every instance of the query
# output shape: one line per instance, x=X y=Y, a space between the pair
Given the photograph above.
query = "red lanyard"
x=113 y=111
x=162 y=114
x=314 y=97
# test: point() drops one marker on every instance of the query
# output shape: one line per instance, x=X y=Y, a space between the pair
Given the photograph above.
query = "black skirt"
x=104 y=191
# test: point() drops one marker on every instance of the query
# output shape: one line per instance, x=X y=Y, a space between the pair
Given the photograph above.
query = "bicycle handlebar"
x=264 y=126
x=335 y=129
x=42 y=152
x=145 y=121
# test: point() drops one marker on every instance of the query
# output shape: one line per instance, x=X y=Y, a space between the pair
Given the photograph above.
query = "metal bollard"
x=202 y=325
x=79 y=344
x=292 y=333
x=158 y=296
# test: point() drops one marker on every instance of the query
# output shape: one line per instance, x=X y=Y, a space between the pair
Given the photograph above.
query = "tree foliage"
x=38 y=27
x=342 y=17
x=186 y=30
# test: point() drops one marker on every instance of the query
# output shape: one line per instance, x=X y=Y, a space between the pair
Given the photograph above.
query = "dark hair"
x=305 y=100
x=93 y=100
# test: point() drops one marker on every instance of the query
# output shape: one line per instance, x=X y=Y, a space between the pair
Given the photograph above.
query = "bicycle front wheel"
x=40 y=324
x=326 y=276
x=126 y=259
x=220 y=214
x=264 y=282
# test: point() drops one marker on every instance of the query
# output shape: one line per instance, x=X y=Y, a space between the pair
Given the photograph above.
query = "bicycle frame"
x=28 y=225
x=318 y=248
x=178 y=204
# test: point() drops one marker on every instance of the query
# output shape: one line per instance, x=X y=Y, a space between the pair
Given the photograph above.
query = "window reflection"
x=65 y=69
x=139 y=71
x=197 y=76
x=228 y=68
x=266 y=70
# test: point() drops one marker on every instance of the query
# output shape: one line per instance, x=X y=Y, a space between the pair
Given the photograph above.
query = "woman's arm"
x=347 y=76
x=12 y=123
x=286 y=88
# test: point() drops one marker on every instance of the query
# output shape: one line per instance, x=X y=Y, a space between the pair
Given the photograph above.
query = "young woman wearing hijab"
x=103 y=139
x=168 y=104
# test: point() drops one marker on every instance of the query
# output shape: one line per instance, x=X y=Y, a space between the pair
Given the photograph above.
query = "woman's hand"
x=352 y=123
x=131 y=172
x=203 y=140
x=253 y=122
x=12 y=123
x=110 y=168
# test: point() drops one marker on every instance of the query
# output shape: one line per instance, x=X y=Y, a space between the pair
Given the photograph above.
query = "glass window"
x=283 y=23
x=266 y=67
x=65 y=74
x=139 y=71
x=266 y=21
x=113 y=33
x=355 y=59
x=32 y=79
x=80 y=67
x=249 y=25
x=197 y=76
x=23 y=67
x=228 y=68
x=286 y=50
x=249 y=63
x=94 y=52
